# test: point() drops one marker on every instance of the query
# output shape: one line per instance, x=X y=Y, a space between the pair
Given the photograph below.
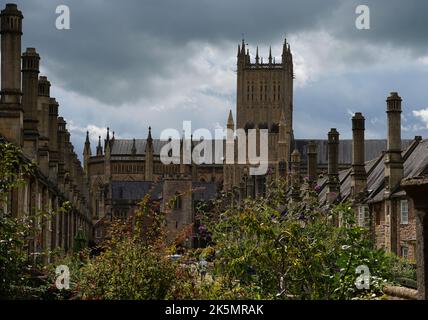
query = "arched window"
x=249 y=126
x=177 y=201
x=274 y=128
x=263 y=125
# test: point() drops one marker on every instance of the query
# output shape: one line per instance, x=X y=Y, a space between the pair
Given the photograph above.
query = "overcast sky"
x=134 y=63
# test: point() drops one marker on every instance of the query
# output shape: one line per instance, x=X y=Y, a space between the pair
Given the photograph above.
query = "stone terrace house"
x=374 y=186
x=29 y=119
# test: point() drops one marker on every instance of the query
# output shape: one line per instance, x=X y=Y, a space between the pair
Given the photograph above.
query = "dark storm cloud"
x=395 y=22
x=115 y=48
x=134 y=63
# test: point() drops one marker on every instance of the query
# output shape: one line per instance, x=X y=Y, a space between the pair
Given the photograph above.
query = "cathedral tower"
x=264 y=91
x=265 y=101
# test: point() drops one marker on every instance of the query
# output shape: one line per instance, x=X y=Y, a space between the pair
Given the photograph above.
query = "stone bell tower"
x=265 y=101
x=11 y=112
x=264 y=90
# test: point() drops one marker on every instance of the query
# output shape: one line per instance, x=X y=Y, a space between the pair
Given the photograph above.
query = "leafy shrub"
x=135 y=265
x=267 y=248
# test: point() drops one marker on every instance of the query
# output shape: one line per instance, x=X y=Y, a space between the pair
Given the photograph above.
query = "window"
x=404 y=252
x=98 y=232
x=274 y=91
x=363 y=216
x=97 y=208
x=404 y=210
x=177 y=201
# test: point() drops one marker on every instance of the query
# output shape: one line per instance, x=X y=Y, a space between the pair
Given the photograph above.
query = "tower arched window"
x=177 y=201
x=248 y=126
x=274 y=91
x=263 y=125
x=274 y=128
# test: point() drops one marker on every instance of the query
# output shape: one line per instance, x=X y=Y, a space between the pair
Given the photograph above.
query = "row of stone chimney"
x=29 y=116
x=393 y=156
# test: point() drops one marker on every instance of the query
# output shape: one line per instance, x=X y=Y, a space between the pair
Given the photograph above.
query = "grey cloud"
x=115 y=48
x=135 y=62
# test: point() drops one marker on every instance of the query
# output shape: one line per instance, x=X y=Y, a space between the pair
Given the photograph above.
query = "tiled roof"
x=204 y=190
x=372 y=149
x=124 y=146
x=135 y=190
x=415 y=164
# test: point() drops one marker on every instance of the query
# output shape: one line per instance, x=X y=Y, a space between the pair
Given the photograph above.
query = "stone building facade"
x=29 y=118
x=124 y=171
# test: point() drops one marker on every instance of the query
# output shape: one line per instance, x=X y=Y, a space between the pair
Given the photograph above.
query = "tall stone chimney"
x=43 y=101
x=53 y=138
x=333 y=163
x=358 y=173
x=282 y=148
x=393 y=158
x=295 y=174
x=312 y=162
x=11 y=114
x=30 y=92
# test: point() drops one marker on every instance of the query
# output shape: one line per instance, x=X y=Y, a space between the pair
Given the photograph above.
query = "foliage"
x=14 y=266
x=136 y=265
x=266 y=248
x=21 y=272
x=263 y=248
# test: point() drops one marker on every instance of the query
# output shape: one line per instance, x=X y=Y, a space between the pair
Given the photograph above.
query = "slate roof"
x=415 y=165
x=204 y=190
x=372 y=149
x=137 y=190
x=123 y=147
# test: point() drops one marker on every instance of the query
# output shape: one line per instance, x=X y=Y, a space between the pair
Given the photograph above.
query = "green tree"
x=268 y=248
x=135 y=263
x=15 y=278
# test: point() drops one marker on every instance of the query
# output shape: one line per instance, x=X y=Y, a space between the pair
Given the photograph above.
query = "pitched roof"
x=204 y=190
x=121 y=147
x=415 y=164
x=124 y=146
x=372 y=149
x=137 y=190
